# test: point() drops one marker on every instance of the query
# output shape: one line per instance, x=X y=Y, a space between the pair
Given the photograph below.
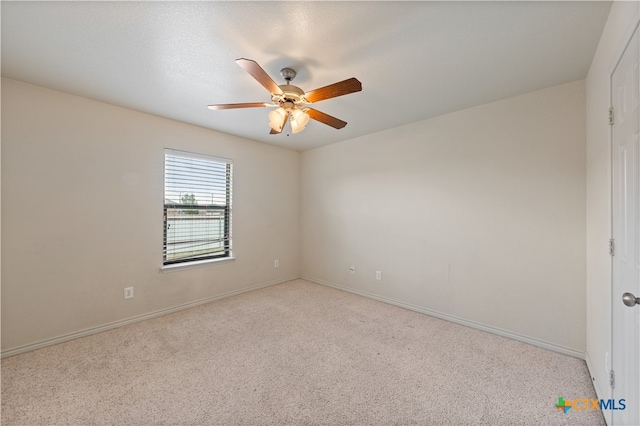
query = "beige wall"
x=617 y=32
x=478 y=216
x=82 y=194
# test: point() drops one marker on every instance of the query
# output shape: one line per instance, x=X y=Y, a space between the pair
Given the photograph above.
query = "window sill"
x=197 y=264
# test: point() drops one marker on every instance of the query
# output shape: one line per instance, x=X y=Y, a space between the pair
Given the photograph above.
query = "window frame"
x=226 y=209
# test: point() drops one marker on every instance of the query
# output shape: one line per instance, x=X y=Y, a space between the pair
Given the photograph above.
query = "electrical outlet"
x=352 y=269
x=276 y=263
x=378 y=275
x=128 y=293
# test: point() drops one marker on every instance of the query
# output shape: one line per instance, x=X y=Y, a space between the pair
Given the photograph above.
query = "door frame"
x=614 y=301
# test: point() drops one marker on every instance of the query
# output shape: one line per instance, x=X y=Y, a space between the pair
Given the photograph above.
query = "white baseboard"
x=452 y=318
x=120 y=323
x=161 y=312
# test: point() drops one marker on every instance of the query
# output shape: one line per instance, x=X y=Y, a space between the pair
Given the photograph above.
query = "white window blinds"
x=197 y=207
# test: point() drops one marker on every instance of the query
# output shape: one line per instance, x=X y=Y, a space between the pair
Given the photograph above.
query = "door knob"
x=630 y=299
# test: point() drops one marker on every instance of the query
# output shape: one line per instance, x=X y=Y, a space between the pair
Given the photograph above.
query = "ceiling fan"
x=290 y=99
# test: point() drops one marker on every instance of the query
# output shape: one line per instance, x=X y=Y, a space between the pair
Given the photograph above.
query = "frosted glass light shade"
x=299 y=120
x=276 y=119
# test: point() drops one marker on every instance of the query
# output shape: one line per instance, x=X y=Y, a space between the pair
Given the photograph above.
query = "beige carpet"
x=293 y=354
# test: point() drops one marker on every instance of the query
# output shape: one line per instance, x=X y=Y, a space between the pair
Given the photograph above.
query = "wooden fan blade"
x=284 y=122
x=260 y=75
x=344 y=87
x=244 y=105
x=336 y=123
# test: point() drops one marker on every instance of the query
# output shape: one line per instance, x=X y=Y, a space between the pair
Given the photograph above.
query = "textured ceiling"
x=415 y=59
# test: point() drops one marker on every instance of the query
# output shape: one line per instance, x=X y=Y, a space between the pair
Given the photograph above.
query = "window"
x=197 y=207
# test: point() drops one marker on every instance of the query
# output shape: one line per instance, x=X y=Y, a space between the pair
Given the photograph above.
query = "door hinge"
x=612 y=379
x=612 y=247
x=611 y=116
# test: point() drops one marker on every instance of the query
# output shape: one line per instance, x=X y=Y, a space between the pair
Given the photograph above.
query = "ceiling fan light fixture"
x=296 y=128
x=299 y=120
x=276 y=119
x=300 y=116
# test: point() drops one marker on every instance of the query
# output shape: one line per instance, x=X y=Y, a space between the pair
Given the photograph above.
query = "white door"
x=625 y=91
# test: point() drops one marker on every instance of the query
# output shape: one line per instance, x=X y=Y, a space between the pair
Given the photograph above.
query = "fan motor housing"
x=290 y=93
